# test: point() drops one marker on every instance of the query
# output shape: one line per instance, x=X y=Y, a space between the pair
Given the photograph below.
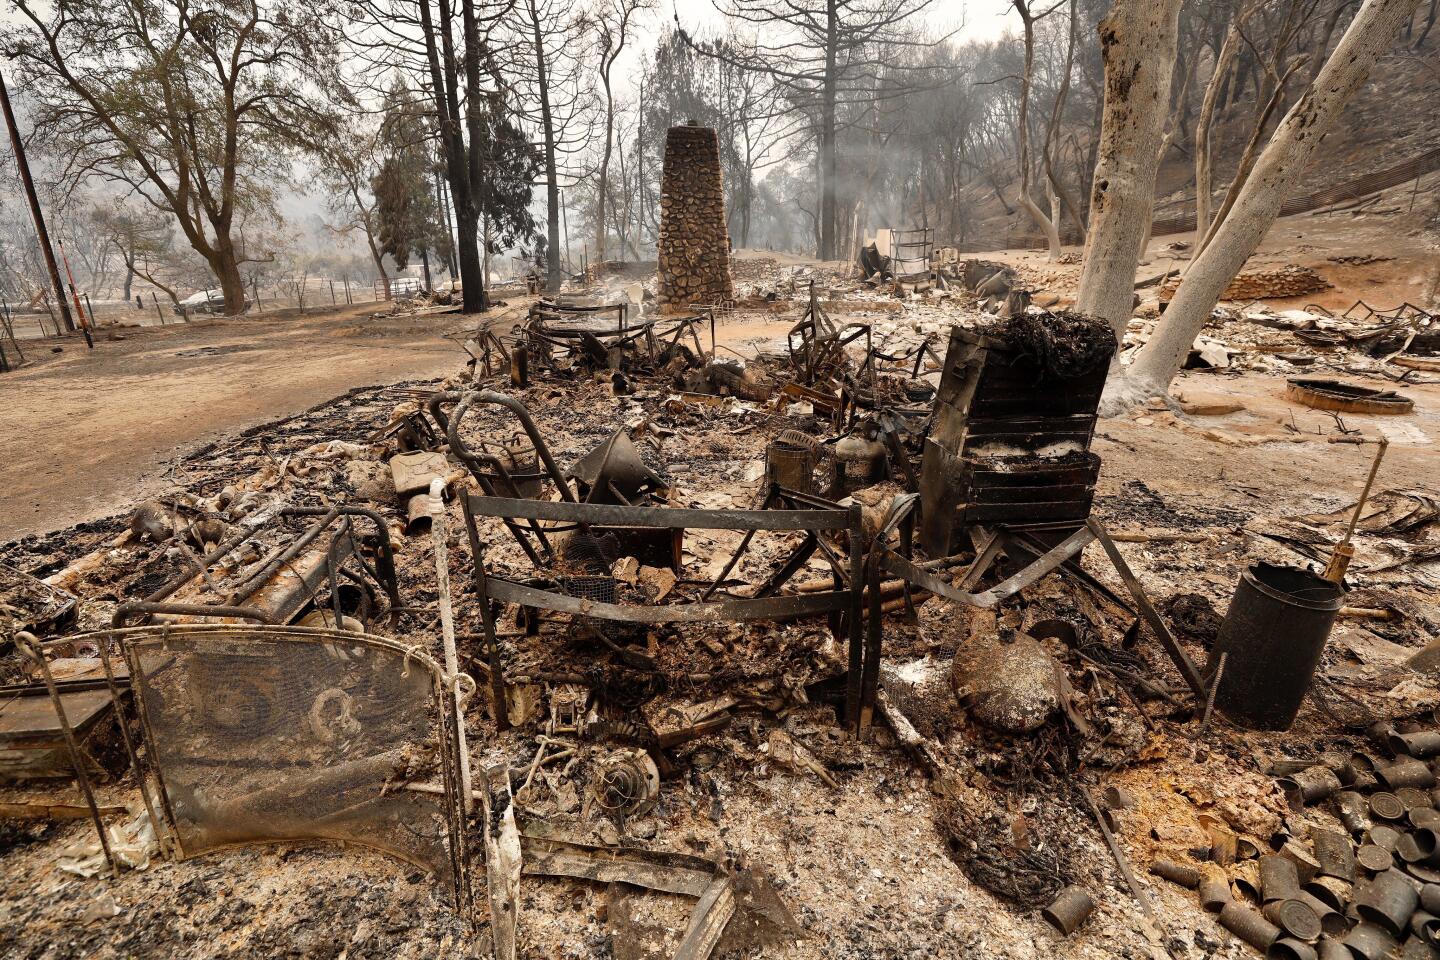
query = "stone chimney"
x=694 y=249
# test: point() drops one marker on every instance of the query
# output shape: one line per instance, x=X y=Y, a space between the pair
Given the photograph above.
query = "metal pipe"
x=474 y=460
x=126 y=610
x=385 y=563
x=258 y=577
x=447 y=630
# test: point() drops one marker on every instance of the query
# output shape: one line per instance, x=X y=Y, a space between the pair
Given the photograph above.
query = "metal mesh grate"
x=286 y=734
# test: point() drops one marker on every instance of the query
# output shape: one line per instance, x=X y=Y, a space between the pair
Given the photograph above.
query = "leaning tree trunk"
x=1137 y=39
x=1370 y=34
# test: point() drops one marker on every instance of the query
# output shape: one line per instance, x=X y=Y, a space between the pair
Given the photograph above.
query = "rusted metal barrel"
x=1272 y=639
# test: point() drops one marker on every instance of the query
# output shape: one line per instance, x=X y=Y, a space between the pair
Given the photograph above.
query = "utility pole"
x=39 y=217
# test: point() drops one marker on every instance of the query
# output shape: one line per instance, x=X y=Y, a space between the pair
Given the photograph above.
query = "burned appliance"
x=1014 y=417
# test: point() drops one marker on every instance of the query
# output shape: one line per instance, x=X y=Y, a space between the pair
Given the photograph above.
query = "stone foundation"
x=694 y=249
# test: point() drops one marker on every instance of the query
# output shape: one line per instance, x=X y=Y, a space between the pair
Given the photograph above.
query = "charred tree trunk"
x=829 y=167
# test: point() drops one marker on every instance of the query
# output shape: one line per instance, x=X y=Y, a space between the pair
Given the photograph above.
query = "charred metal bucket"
x=1272 y=639
x=791 y=465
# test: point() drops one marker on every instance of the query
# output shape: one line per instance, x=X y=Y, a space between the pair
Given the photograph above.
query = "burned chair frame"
x=844 y=603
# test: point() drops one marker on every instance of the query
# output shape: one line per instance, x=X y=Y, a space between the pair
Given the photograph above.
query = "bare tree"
x=1219 y=76
x=349 y=162
x=824 y=54
x=613 y=21
x=1369 y=35
x=195 y=108
x=548 y=65
x=1048 y=224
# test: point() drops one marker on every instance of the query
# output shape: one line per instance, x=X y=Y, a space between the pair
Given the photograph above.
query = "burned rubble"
x=622 y=641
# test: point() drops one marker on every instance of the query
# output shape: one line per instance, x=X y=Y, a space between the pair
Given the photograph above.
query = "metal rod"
x=28 y=642
x=447 y=628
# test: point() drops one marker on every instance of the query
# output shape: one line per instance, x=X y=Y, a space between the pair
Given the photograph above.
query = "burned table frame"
x=883 y=560
x=845 y=600
x=383 y=570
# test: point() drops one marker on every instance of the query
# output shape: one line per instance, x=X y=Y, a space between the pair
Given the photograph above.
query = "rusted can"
x=1278 y=878
x=1374 y=859
x=1295 y=919
x=1305 y=863
x=1430 y=898
x=1333 y=893
x=1214 y=888
x=1071 y=908
x=1332 y=949
x=1352 y=810
x=1423 y=816
x=1358 y=772
x=1245 y=881
x=1366 y=941
x=1224 y=845
x=1334 y=854
x=1421 y=845
x=1384 y=836
x=1415 y=798
x=1419 y=745
x=1425 y=925
x=1181 y=873
x=1386 y=806
x=1288 y=948
x=1332 y=921
x=1249 y=925
x=1387 y=902
x=1310 y=785
x=1417 y=949
x=1407 y=773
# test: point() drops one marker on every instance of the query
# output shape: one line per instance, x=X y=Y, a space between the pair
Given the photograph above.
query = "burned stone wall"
x=694 y=246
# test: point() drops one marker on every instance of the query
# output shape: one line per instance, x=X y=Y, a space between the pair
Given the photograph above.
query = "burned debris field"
x=875 y=642
x=531 y=481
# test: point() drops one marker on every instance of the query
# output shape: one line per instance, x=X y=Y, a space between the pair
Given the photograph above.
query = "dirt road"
x=85 y=433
